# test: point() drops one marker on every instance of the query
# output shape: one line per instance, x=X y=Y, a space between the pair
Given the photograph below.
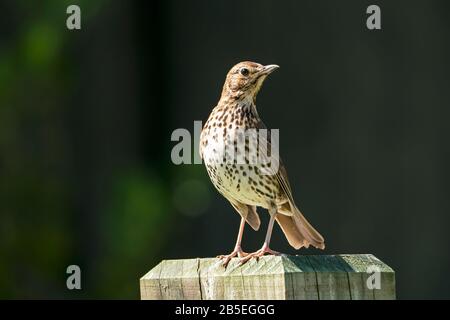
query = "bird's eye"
x=244 y=72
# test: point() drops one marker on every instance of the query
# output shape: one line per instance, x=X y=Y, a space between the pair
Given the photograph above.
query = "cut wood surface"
x=321 y=277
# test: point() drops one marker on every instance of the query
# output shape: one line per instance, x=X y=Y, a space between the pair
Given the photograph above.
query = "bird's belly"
x=240 y=182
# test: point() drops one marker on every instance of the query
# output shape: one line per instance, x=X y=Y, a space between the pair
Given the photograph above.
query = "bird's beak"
x=269 y=69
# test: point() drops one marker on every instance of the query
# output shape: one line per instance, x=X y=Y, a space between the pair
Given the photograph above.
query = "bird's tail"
x=297 y=229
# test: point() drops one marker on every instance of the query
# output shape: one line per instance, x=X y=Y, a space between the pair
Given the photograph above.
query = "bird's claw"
x=227 y=258
x=258 y=254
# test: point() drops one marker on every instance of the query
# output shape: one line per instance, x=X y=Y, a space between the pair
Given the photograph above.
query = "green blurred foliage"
x=37 y=236
x=34 y=228
x=136 y=220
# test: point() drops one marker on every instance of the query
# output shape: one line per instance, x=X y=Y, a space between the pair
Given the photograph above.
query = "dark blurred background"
x=86 y=118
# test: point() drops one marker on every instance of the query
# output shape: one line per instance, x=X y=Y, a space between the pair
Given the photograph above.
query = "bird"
x=248 y=184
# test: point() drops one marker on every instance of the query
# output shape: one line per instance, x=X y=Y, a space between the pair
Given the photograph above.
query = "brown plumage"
x=238 y=175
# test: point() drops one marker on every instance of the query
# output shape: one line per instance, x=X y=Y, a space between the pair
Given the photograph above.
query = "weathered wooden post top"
x=322 y=277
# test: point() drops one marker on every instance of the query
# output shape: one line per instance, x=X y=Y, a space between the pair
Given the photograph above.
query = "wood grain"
x=321 y=277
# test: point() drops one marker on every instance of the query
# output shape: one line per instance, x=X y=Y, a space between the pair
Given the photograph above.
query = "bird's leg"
x=237 y=248
x=265 y=248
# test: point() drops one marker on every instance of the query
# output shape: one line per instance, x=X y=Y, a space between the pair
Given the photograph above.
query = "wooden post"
x=357 y=277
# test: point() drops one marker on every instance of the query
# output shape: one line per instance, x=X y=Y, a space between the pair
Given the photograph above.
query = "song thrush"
x=245 y=184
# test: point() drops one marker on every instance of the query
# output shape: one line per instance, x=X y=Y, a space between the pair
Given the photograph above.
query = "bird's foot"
x=258 y=254
x=236 y=252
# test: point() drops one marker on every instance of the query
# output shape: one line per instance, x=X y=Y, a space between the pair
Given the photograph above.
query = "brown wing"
x=281 y=175
x=247 y=212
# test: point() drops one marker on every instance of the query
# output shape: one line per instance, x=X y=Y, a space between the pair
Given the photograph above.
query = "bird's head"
x=245 y=79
